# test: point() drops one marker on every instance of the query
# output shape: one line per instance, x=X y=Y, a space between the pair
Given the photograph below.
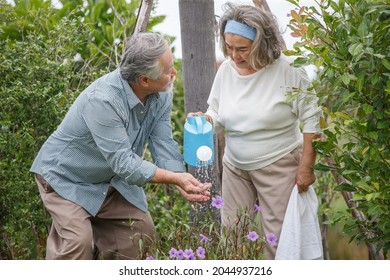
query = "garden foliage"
x=39 y=81
x=49 y=55
x=348 y=41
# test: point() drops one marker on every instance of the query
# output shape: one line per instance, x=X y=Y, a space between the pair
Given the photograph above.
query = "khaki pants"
x=116 y=230
x=270 y=186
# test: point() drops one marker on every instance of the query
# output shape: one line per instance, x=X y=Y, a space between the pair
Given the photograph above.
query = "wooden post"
x=198 y=51
x=262 y=4
x=143 y=16
x=197 y=22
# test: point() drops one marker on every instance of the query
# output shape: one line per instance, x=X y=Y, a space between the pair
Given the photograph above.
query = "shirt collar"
x=132 y=98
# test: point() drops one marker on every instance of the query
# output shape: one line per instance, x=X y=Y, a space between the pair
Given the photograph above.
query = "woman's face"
x=238 y=49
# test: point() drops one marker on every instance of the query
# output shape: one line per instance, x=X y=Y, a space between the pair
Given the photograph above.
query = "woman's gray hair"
x=267 y=46
x=141 y=58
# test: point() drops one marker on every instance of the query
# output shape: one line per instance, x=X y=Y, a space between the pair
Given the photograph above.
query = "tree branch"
x=143 y=16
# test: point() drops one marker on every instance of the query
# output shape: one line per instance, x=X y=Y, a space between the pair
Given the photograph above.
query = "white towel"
x=300 y=238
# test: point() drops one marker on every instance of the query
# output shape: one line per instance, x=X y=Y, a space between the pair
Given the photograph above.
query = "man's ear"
x=143 y=81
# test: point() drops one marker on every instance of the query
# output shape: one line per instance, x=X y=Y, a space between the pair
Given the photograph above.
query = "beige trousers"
x=270 y=187
x=116 y=231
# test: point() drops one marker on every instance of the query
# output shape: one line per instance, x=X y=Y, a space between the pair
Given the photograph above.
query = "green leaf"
x=345 y=79
x=386 y=63
x=356 y=49
x=345 y=187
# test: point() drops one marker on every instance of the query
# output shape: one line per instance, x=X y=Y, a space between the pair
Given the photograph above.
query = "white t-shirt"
x=262 y=125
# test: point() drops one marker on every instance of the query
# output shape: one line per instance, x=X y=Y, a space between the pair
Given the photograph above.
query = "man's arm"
x=189 y=187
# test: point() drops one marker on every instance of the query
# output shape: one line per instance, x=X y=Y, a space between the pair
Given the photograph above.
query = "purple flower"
x=150 y=258
x=217 y=202
x=201 y=252
x=272 y=239
x=180 y=254
x=191 y=257
x=172 y=253
x=189 y=254
x=258 y=208
x=204 y=238
x=252 y=235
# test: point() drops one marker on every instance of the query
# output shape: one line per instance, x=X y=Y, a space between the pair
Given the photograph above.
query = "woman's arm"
x=305 y=174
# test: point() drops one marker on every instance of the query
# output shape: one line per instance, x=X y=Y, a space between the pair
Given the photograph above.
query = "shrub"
x=39 y=82
x=348 y=41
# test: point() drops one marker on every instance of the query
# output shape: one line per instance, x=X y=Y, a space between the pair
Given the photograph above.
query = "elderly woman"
x=268 y=135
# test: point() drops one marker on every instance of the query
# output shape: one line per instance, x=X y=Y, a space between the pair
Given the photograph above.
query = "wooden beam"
x=143 y=16
x=197 y=22
x=262 y=4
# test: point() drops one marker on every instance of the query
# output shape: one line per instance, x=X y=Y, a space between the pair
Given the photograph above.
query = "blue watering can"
x=198 y=141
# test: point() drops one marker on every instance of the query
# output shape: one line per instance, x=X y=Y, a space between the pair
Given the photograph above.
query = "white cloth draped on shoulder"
x=300 y=238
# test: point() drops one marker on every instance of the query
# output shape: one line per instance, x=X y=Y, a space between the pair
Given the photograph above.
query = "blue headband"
x=241 y=29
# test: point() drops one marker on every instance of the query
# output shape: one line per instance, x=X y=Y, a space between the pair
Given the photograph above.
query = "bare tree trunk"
x=197 y=21
x=198 y=51
x=262 y=4
x=324 y=235
x=143 y=16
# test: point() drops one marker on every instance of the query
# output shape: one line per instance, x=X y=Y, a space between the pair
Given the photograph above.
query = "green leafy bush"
x=49 y=56
x=348 y=41
x=39 y=82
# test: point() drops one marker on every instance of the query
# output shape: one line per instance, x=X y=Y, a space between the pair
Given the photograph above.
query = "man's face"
x=165 y=81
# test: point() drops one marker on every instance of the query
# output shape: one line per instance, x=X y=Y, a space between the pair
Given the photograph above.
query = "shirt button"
x=142 y=112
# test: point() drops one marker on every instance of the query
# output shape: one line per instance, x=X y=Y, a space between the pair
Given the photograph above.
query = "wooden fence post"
x=143 y=16
x=197 y=22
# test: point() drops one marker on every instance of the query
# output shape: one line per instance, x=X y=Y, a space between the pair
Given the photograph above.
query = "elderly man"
x=90 y=171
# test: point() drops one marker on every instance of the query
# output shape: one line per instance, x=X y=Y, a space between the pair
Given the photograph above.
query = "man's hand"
x=194 y=197
x=191 y=189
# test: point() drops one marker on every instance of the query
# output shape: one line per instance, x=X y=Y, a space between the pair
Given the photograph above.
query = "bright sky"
x=171 y=24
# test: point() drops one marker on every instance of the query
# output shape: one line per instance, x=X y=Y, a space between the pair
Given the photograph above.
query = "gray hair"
x=141 y=58
x=267 y=46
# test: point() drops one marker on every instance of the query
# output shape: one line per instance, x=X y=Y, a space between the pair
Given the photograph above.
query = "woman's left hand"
x=305 y=178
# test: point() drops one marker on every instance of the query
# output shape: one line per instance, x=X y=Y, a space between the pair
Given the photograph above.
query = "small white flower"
x=77 y=58
x=117 y=41
x=65 y=61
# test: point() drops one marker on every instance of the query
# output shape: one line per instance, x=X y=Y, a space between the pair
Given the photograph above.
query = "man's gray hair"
x=141 y=58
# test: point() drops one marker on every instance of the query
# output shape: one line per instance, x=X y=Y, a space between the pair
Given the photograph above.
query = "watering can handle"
x=199 y=124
